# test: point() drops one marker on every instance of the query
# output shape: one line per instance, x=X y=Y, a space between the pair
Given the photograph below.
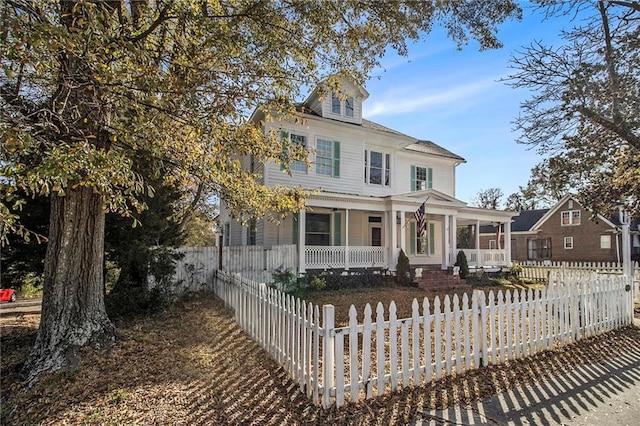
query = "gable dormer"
x=342 y=104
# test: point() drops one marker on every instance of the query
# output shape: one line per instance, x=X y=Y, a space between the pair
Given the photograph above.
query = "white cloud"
x=412 y=98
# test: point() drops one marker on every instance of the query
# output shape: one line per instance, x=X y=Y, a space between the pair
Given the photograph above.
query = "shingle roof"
x=521 y=223
x=433 y=148
x=425 y=146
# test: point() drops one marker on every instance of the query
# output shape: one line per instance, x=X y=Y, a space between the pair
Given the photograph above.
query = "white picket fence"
x=195 y=271
x=539 y=271
x=366 y=358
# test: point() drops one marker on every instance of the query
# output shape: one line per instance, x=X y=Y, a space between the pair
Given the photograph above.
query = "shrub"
x=286 y=281
x=515 y=271
x=318 y=283
x=129 y=302
x=31 y=286
x=403 y=269
x=461 y=261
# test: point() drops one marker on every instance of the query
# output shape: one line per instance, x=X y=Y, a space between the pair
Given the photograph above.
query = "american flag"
x=421 y=227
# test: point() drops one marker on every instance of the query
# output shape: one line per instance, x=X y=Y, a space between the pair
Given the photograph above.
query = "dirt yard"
x=193 y=365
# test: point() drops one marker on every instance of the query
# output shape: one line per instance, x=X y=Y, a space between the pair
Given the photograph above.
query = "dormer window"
x=336 y=104
x=348 y=106
x=345 y=108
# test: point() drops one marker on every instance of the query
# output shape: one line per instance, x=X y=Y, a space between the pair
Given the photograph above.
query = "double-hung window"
x=328 y=157
x=336 y=104
x=348 y=106
x=570 y=217
x=568 y=243
x=340 y=107
x=377 y=168
x=421 y=178
x=299 y=166
x=318 y=229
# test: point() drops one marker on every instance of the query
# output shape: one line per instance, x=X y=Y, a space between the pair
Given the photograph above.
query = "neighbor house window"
x=605 y=241
x=348 y=106
x=421 y=178
x=251 y=233
x=539 y=249
x=377 y=168
x=493 y=244
x=328 y=158
x=336 y=104
x=299 y=166
x=570 y=217
x=318 y=229
x=568 y=243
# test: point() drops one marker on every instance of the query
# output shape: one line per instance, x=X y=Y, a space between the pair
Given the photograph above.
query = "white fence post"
x=328 y=355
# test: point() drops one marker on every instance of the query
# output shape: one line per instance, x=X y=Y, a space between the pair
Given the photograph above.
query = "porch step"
x=441 y=281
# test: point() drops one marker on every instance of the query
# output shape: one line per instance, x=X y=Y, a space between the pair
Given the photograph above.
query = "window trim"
x=328 y=233
x=385 y=168
x=572 y=215
x=568 y=243
x=608 y=244
x=335 y=98
x=333 y=162
x=299 y=163
x=428 y=178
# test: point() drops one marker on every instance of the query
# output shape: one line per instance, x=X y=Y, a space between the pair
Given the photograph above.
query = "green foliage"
x=461 y=261
x=515 y=271
x=317 y=283
x=23 y=259
x=340 y=280
x=285 y=280
x=403 y=269
x=31 y=287
x=132 y=302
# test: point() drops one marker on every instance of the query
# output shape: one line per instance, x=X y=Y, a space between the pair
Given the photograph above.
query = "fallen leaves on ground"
x=193 y=365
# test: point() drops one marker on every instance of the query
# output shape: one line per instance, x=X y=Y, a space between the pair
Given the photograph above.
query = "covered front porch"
x=353 y=232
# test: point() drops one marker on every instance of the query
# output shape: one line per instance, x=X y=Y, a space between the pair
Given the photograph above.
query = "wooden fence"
x=196 y=269
x=539 y=271
x=376 y=355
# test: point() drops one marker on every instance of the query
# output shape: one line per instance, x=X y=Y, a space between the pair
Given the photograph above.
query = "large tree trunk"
x=73 y=311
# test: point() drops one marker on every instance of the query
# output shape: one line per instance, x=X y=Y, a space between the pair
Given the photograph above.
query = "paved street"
x=592 y=394
x=21 y=307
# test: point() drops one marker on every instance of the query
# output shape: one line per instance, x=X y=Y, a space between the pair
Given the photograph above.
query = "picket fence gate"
x=369 y=358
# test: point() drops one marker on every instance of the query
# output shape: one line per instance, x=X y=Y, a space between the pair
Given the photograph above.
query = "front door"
x=376 y=236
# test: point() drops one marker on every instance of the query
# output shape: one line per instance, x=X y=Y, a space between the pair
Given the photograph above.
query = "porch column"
x=403 y=233
x=446 y=248
x=478 y=259
x=454 y=240
x=392 y=241
x=346 y=239
x=302 y=225
x=507 y=242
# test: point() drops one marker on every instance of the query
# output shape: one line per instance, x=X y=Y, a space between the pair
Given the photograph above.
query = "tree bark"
x=73 y=310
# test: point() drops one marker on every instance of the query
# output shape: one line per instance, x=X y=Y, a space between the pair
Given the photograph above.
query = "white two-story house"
x=368 y=182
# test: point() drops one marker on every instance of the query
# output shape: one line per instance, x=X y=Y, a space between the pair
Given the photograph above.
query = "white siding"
x=443 y=172
x=353 y=142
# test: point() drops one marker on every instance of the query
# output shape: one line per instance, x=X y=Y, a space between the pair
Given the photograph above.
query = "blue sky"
x=454 y=99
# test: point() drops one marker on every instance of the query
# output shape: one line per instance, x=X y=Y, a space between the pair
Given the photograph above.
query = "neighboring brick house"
x=564 y=232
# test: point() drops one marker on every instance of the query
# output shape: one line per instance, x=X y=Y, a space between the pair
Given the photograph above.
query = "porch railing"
x=488 y=257
x=342 y=257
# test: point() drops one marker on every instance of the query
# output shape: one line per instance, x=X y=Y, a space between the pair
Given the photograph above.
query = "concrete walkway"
x=593 y=394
